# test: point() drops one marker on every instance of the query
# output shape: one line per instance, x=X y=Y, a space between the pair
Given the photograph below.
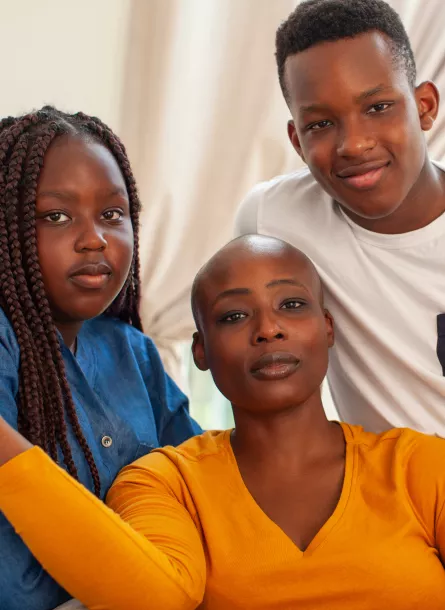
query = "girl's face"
x=84 y=230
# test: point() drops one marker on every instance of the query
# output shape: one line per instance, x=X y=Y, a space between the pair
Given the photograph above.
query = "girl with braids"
x=77 y=376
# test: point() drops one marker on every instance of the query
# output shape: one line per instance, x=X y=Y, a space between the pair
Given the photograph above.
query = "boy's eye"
x=56 y=217
x=381 y=107
x=319 y=125
x=231 y=318
x=113 y=214
x=292 y=304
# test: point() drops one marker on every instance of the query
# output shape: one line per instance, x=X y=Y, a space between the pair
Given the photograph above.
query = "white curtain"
x=204 y=120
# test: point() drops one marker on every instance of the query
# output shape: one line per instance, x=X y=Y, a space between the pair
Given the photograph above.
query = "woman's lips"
x=275 y=365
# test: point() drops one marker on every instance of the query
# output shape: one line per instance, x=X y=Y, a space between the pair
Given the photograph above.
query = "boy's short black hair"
x=316 y=21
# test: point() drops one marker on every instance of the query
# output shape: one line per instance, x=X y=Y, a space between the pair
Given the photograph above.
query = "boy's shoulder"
x=288 y=198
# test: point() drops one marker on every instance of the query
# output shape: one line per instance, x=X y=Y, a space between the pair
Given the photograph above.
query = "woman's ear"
x=329 y=328
x=198 y=352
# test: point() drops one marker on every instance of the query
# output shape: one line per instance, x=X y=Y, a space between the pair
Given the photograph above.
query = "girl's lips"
x=93 y=282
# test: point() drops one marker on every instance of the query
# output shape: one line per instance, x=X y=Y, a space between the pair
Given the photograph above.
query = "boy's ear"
x=198 y=352
x=329 y=328
x=294 y=139
x=427 y=98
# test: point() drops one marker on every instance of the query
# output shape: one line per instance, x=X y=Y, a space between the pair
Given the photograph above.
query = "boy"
x=369 y=210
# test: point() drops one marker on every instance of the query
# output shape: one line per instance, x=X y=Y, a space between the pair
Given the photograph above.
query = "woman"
x=288 y=510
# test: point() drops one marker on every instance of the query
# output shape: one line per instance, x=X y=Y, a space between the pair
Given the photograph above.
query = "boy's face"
x=358 y=124
x=264 y=333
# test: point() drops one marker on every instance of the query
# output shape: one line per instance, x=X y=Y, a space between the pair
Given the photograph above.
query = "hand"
x=12 y=443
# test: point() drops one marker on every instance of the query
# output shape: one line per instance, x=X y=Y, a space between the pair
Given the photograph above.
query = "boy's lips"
x=275 y=365
x=363 y=176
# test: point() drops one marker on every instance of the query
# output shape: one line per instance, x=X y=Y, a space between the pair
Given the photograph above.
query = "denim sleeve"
x=170 y=406
x=23 y=581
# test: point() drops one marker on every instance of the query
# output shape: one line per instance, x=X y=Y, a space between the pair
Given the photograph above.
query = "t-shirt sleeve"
x=170 y=406
x=246 y=219
x=425 y=482
x=154 y=559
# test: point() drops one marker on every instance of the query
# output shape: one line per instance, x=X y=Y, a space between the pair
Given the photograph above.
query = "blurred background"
x=190 y=86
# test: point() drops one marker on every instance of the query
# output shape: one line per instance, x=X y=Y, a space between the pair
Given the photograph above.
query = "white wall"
x=69 y=53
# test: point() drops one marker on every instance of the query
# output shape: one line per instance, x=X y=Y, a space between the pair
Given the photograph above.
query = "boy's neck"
x=424 y=203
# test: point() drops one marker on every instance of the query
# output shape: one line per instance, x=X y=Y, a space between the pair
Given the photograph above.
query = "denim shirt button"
x=107 y=441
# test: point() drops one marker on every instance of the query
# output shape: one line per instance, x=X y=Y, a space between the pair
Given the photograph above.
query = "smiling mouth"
x=365 y=180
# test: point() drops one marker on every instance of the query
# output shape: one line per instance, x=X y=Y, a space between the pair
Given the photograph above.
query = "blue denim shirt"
x=121 y=391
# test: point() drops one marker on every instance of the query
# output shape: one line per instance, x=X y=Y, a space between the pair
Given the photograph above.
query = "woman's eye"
x=113 y=215
x=56 y=217
x=293 y=304
x=318 y=126
x=230 y=318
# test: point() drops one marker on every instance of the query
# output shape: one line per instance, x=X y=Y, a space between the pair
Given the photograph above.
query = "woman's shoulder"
x=201 y=452
x=406 y=443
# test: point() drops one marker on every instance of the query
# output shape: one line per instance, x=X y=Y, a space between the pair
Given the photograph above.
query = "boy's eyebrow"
x=371 y=92
x=362 y=96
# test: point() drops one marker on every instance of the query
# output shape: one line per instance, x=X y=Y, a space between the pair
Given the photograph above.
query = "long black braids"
x=44 y=399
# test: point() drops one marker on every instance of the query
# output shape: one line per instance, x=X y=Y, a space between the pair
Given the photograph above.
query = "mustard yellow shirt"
x=195 y=534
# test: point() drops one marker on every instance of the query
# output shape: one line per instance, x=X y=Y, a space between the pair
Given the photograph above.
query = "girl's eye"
x=377 y=108
x=231 y=318
x=113 y=215
x=292 y=304
x=56 y=217
x=319 y=125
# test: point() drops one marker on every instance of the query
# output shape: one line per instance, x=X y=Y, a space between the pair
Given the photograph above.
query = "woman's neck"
x=294 y=436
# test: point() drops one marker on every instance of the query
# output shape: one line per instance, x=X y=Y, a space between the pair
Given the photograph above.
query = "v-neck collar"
x=332 y=521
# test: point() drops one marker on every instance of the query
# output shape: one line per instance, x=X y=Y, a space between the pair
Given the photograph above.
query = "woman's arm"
x=100 y=559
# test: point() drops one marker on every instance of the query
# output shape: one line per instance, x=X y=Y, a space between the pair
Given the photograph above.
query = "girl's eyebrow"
x=63 y=195
x=72 y=195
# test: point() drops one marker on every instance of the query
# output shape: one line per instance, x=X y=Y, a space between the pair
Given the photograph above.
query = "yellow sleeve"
x=155 y=561
x=425 y=481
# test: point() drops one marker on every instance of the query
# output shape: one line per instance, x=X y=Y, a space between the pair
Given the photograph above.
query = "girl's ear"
x=198 y=352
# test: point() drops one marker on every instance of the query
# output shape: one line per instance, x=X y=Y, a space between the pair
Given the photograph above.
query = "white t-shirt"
x=385 y=293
